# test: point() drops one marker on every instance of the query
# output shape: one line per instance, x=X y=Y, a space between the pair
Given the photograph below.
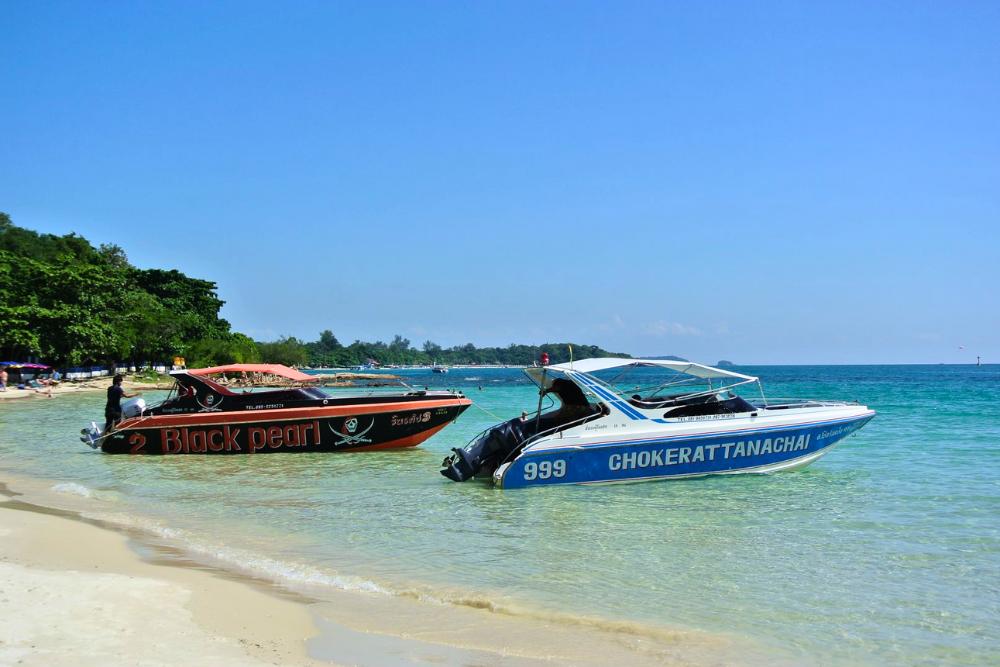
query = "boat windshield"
x=658 y=383
x=648 y=385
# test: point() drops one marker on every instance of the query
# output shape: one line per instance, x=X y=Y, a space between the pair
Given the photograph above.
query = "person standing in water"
x=113 y=408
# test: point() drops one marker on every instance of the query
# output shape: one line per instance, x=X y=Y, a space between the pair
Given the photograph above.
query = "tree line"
x=328 y=352
x=67 y=303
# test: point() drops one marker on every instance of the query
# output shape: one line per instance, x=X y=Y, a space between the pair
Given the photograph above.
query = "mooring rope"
x=499 y=419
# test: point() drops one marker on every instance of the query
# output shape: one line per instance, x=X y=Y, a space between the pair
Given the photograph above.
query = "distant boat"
x=439 y=369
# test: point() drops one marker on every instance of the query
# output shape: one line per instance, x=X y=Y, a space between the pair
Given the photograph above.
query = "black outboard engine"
x=485 y=454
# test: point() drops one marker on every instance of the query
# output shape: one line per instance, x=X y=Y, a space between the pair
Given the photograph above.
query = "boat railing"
x=515 y=452
x=785 y=403
x=374 y=390
x=528 y=418
x=525 y=417
x=560 y=427
x=624 y=392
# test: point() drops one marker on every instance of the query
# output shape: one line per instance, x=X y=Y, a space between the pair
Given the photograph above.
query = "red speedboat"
x=202 y=416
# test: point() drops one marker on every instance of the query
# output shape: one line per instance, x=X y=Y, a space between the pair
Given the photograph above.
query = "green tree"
x=64 y=300
x=193 y=302
x=235 y=349
x=287 y=350
x=327 y=341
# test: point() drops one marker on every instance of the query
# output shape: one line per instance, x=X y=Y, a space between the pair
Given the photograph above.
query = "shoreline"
x=74 y=387
x=333 y=627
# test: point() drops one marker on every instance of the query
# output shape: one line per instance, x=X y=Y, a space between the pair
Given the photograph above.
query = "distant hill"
x=668 y=357
x=723 y=363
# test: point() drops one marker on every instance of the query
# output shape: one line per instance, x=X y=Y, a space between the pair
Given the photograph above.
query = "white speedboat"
x=686 y=421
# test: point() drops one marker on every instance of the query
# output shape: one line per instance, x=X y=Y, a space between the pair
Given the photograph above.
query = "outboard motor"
x=485 y=454
x=133 y=407
x=91 y=436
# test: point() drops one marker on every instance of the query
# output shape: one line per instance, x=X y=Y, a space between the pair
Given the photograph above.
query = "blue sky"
x=764 y=182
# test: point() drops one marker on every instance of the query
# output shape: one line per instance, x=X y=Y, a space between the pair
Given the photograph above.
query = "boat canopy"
x=601 y=363
x=272 y=369
x=685 y=367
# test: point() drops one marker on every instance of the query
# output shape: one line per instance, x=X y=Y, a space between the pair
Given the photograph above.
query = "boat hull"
x=321 y=429
x=759 y=450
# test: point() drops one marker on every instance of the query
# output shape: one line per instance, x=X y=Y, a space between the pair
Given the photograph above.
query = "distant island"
x=69 y=304
x=723 y=363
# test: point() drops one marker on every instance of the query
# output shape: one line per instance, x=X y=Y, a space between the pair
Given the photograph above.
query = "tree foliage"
x=328 y=353
x=289 y=351
x=68 y=303
x=235 y=349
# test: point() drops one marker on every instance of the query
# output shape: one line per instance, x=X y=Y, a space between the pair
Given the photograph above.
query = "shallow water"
x=886 y=550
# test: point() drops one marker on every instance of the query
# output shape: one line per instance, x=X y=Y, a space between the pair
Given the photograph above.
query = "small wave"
x=307 y=579
x=73 y=488
x=473 y=378
x=246 y=562
x=137 y=523
x=490 y=604
x=284 y=572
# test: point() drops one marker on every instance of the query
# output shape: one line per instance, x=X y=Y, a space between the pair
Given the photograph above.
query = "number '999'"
x=544 y=469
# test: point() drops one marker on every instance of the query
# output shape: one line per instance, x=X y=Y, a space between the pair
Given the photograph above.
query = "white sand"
x=73 y=594
x=63 y=388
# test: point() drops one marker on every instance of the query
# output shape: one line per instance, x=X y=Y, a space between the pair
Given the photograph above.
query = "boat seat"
x=670 y=401
x=730 y=406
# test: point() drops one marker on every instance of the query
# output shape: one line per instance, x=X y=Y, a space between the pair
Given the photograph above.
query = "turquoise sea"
x=886 y=551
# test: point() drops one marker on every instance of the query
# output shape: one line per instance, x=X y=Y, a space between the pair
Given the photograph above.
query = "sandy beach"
x=68 y=388
x=74 y=594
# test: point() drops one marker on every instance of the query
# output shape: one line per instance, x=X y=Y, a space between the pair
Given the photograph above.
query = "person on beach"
x=3 y=378
x=113 y=408
x=40 y=386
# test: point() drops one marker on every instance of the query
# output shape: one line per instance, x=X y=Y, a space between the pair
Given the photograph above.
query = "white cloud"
x=662 y=328
x=616 y=323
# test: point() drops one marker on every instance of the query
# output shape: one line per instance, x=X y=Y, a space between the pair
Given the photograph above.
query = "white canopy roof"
x=686 y=367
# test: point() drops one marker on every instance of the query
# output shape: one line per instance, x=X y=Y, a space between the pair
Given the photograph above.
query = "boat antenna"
x=570 y=355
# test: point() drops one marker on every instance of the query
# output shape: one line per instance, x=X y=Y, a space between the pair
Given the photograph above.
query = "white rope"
x=488 y=412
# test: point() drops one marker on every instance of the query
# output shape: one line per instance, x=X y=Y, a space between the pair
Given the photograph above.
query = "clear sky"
x=767 y=182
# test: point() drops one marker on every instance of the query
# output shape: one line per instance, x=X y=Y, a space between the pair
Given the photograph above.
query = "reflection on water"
x=885 y=550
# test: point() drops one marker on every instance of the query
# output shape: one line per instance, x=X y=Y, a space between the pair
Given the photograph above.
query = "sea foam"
x=72 y=488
